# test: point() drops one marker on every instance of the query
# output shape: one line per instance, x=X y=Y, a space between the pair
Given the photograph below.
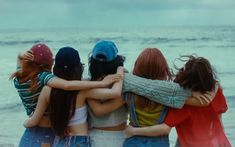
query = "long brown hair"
x=197 y=74
x=151 y=64
x=29 y=71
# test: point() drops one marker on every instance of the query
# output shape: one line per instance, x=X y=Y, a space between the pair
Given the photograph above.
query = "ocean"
x=214 y=43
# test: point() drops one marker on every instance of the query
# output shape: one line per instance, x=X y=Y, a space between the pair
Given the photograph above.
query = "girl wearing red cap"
x=196 y=127
x=34 y=72
x=68 y=110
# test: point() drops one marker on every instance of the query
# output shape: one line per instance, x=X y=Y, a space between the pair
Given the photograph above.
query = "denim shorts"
x=101 y=138
x=72 y=141
x=144 y=141
x=36 y=136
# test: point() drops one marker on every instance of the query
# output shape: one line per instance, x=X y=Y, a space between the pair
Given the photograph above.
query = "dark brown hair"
x=197 y=74
x=99 y=69
x=151 y=64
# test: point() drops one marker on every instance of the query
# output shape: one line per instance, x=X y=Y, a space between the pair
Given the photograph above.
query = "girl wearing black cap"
x=33 y=72
x=68 y=110
x=28 y=137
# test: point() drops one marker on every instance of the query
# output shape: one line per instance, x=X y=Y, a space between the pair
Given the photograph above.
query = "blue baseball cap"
x=67 y=58
x=105 y=51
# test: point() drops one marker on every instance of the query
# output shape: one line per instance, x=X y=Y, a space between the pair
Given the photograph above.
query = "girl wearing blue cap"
x=68 y=110
x=107 y=125
x=33 y=72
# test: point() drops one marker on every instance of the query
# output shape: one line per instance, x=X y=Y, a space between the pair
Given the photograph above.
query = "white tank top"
x=80 y=116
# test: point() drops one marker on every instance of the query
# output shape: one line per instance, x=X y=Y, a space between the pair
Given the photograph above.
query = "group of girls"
x=64 y=110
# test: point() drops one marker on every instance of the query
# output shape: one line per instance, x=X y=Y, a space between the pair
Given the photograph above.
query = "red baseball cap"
x=42 y=54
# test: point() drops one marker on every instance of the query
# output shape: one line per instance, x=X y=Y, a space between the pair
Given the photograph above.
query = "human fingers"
x=120 y=70
x=28 y=55
x=209 y=96
x=198 y=97
x=109 y=79
x=116 y=77
x=128 y=131
x=205 y=98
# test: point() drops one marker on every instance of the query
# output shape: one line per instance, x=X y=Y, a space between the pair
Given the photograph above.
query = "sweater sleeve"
x=164 y=92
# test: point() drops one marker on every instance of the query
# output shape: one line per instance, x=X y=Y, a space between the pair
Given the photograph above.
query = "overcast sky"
x=114 y=13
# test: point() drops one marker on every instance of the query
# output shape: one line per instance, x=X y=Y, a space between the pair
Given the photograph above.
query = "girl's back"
x=150 y=64
x=200 y=126
x=78 y=123
x=31 y=75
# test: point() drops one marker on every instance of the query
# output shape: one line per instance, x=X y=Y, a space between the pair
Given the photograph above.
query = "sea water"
x=214 y=43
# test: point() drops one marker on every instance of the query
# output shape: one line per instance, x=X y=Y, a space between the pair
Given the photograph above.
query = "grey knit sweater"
x=164 y=92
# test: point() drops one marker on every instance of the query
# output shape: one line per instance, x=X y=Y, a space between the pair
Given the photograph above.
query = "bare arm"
x=81 y=85
x=155 y=130
x=192 y=101
x=59 y=83
x=113 y=94
x=198 y=99
x=201 y=100
x=40 y=109
x=106 y=93
x=106 y=107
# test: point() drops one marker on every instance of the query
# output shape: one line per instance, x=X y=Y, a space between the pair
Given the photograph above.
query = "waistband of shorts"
x=106 y=132
x=78 y=138
x=38 y=128
x=152 y=137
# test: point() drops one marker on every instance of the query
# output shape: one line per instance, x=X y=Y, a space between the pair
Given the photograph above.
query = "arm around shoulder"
x=106 y=93
x=200 y=99
x=164 y=92
x=82 y=85
x=100 y=109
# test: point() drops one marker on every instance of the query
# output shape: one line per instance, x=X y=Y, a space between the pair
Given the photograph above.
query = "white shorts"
x=100 y=138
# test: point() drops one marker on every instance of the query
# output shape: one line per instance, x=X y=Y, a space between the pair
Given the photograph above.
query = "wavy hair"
x=197 y=74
